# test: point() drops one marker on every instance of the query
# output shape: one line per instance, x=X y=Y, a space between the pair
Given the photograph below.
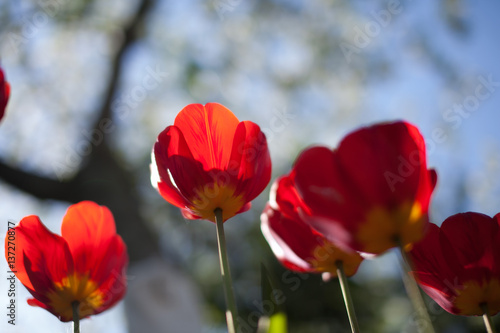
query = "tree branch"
x=130 y=34
x=38 y=186
x=101 y=178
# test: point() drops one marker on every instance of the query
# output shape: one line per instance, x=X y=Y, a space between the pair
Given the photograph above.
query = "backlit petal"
x=428 y=258
x=474 y=239
x=371 y=193
x=181 y=175
x=285 y=196
x=86 y=265
x=90 y=232
x=370 y=154
x=209 y=132
x=458 y=264
x=208 y=160
x=250 y=160
x=274 y=228
x=41 y=257
x=324 y=189
x=296 y=244
x=113 y=274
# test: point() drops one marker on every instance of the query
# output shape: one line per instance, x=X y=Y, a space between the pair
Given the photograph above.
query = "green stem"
x=349 y=305
x=414 y=294
x=231 y=313
x=487 y=319
x=76 y=317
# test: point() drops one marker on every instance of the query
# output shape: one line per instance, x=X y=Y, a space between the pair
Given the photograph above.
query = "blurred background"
x=94 y=83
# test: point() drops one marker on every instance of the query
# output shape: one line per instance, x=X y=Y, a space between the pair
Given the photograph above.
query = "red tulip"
x=209 y=160
x=458 y=265
x=4 y=93
x=86 y=265
x=296 y=245
x=371 y=193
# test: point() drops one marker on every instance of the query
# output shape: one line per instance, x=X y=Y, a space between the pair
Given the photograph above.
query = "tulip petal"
x=181 y=175
x=370 y=154
x=113 y=274
x=35 y=302
x=209 y=132
x=441 y=293
x=458 y=264
x=164 y=185
x=285 y=196
x=87 y=265
x=42 y=257
x=250 y=160
x=428 y=257
x=244 y=208
x=375 y=187
x=300 y=248
x=272 y=228
x=319 y=181
x=90 y=232
x=4 y=93
x=324 y=188
x=208 y=160
x=474 y=238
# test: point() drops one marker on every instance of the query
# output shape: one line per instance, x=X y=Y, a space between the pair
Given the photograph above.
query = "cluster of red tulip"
x=368 y=195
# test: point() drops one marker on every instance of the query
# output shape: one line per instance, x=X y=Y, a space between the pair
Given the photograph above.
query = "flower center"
x=474 y=294
x=383 y=228
x=77 y=288
x=326 y=257
x=213 y=196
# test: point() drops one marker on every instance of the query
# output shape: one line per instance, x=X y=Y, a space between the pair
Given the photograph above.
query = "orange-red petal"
x=39 y=252
x=209 y=160
x=113 y=274
x=325 y=190
x=284 y=196
x=300 y=248
x=180 y=174
x=41 y=257
x=86 y=265
x=250 y=161
x=208 y=131
x=90 y=232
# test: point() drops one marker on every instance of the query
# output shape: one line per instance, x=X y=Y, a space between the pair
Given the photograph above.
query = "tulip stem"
x=414 y=294
x=349 y=305
x=487 y=319
x=231 y=313
x=76 y=317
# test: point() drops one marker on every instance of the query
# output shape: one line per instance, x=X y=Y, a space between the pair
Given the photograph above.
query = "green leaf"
x=277 y=323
